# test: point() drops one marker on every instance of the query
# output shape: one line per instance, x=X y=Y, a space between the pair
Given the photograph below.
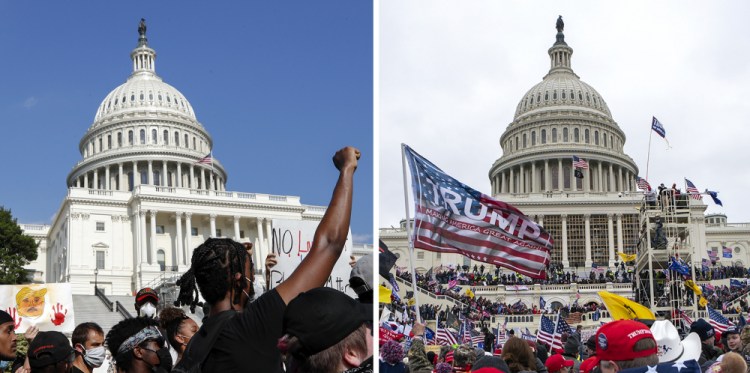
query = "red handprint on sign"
x=58 y=316
x=16 y=318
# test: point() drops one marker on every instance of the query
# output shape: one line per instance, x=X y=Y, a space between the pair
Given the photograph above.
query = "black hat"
x=49 y=348
x=322 y=317
x=730 y=330
x=591 y=343
x=702 y=328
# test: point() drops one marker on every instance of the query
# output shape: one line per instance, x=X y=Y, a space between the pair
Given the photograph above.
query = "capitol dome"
x=146 y=132
x=557 y=119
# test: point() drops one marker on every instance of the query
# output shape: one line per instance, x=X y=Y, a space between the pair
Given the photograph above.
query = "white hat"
x=669 y=346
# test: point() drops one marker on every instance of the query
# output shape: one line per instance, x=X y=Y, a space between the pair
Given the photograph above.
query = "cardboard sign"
x=291 y=241
x=48 y=306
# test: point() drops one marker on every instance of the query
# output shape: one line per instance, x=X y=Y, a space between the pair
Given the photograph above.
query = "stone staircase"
x=91 y=308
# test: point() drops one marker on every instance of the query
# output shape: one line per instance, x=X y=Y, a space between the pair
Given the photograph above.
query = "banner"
x=46 y=306
x=389 y=335
x=291 y=241
x=452 y=217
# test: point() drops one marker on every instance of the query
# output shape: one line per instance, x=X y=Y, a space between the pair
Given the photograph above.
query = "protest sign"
x=47 y=306
x=291 y=241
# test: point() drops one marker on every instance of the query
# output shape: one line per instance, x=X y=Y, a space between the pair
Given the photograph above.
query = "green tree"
x=16 y=250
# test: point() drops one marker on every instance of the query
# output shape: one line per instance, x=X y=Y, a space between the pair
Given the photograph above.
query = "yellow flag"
x=702 y=302
x=469 y=293
x=692 y=286
x=411 y=302
x=384 y=295
x=626 y=257
x=622 y=308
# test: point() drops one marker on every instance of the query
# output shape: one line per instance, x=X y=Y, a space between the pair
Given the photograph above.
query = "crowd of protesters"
x=297 y=326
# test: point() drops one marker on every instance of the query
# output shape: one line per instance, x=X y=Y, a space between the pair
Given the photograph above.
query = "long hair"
x=171 y=320
x=518 y=355
x=211 y=269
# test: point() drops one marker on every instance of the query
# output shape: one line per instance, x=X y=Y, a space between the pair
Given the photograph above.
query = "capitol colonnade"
x=164 y=173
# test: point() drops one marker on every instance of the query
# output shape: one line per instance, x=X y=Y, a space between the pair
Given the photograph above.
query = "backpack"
x=201 y=344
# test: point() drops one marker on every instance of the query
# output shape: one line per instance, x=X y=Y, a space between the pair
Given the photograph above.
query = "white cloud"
x=452 y=73
x=30 y=102
x=362 y=238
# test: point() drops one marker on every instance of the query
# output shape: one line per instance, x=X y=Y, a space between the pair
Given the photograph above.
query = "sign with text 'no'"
x=291 y=241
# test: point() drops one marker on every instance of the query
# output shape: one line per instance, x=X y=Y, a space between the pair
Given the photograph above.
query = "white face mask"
x=95 y=356
x=148 y=310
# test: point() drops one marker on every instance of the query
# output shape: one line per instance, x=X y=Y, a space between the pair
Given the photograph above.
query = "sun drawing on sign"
x=30 y=302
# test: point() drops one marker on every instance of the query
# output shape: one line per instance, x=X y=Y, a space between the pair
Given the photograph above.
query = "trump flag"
x=453 y=217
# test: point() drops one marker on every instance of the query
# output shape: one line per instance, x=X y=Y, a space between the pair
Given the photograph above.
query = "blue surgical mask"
x=4 y=364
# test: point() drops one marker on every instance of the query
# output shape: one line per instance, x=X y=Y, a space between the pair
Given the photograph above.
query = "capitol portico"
x=147 y=191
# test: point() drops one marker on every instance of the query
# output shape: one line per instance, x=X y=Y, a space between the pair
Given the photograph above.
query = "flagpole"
x=648 y=157
x=408 y=234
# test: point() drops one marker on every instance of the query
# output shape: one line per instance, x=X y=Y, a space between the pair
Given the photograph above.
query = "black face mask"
x=165 y=361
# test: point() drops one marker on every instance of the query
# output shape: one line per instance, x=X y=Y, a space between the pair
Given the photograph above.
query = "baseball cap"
x=49 y=348
x=588 y=364
x=146 y=294
x=322 y=317
x=615 y=340
x=556 y=362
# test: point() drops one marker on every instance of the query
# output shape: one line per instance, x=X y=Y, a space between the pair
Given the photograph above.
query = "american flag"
x=465 y=333
x=580 y=163
x=719 y=322
x=642 y=184
x=658 y=128
x=685 y=317
x=445 y=337
x=562 y=327
x=546 y=330
x=477 y=339
x=692 y=190
x=454 y=218
x=687 y=366
x=726 y=252
x=208 y=159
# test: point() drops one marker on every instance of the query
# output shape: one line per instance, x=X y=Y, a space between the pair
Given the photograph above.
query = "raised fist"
x=346 y=157
x=58 y=314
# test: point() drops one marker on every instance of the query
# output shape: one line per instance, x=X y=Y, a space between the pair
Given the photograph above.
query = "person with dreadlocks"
x=239 y=335
x=137 y=346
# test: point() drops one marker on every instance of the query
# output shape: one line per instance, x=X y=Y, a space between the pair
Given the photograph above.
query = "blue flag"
x=714 y=196
x=429 y=334
x=658 y=127
x=542 y=303
x=735 y=283
x=678 y=267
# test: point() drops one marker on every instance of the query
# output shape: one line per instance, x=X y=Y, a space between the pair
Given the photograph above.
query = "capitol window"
x=546 y=96
x=100 y=144
x=604 y=138
x=565 y=134
x=554 y=135
x=544 y=136
x=143 y=136
x=150 y=96
x=596 y=137
x=119 y=139
x=218 y=232
x=100 y=226
x=193 y=231
x=554 y=95
x=154 y=139
x=160 y=259
x=109 y=141
x=176 y=137
x=166 y=137
x=141 y=96
x=99 y=259
x=194 y=147
x=580 y=97
x=524 y=141
x=420 y=255
x=563 y=95
x=187 y=144
x=159 y=229
x=516 y=142
x=576 y=135
x=586 y=135
x=533 y=138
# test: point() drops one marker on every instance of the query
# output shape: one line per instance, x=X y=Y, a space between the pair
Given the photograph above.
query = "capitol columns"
x=152 y=241
x=179 y=253
x=164 y=174
x=564 y=221
x=212 y=222
x=534 y=183
x=191 y=182
x=178 y=181
x=188 y=237
x=106 y=178
x=237 y=228
x=136 y=175
x=260 y=249
x=150 y=172
x=611 y=240
x=120 y=182
x=587 y=235
x=547 y=181
x=142 y=239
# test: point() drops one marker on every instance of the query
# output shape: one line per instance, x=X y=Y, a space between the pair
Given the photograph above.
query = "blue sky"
x=279 y=86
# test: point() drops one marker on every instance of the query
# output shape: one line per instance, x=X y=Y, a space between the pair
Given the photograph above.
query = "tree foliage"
x=16 y=249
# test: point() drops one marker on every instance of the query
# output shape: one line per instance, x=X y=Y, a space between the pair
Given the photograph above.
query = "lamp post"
x=96 y=285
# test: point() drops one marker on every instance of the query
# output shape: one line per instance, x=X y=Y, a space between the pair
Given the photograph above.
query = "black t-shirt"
x=247 y=342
